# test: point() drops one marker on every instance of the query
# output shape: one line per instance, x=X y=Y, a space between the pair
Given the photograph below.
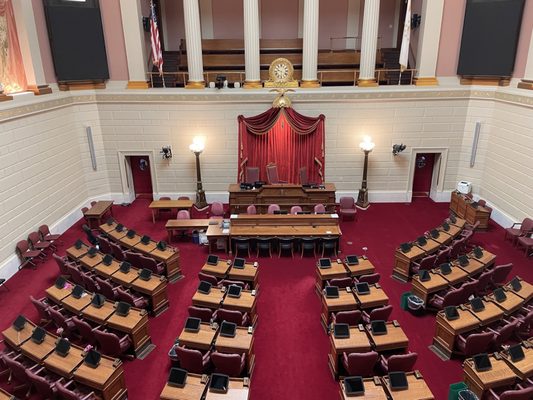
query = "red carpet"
x=291 y=347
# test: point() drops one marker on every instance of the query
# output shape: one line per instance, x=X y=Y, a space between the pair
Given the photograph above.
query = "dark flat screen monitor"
x=92 y=251
x=62 y=347
x=515 y=284
x=212 y=259
x=406 y=247
x=478 y=252
x=482 y=362
x=332 y=292
x=239 y=263
x=354 y=386
x=352 y=260
x=445 y=268
x=108 y=259
x=204 y=287
x=499 y=295
x=145 y=274
x=451 y=313
x=177 y=377
x=463 y=260
x=78 y=291
x=192 y=324
x=516 y=352
x=38 y=335
x=341 y=331
x=422 y=241
x=281 y=212
x=123 y=308
x=234 y=291
x=228 y=329
x=131 y=234
x=434 y=233
x=424 y=275
x=398 y=381
x=219 y=383
x=477 y=304
x=19 y=323
x=92 y=358
x=446 y=226
x=378 y=327
x=125 y=267
x=161 y=245
x=362 y=288
x=98 y=300
x=119 y=227
x=324 y=263
x=60 y=282
x=110 y=221
x=78 y=244
x=145 y=239
x=453 y=219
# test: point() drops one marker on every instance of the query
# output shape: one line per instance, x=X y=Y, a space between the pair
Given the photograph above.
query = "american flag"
x=157 y=53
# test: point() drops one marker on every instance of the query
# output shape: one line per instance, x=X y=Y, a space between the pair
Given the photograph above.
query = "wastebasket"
x=195 y=237
x=467 y=395
x=403 y=300
x=455 y=388
x=415 y=304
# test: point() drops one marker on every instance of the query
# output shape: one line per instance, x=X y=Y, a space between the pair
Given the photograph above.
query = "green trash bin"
x=403 y=300
x=455 y=388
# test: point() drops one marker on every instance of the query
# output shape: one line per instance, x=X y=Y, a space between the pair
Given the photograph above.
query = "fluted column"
x=251 y=44
x=428 y=43
x=369 y=44
x=193 y=40
x=310 y=44
x=527 y=80
x=136 y=54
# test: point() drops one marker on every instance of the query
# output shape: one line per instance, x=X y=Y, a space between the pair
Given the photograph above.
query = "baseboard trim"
x=498 y=216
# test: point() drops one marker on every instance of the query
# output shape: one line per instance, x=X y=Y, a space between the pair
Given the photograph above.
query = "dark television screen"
x=490 y=35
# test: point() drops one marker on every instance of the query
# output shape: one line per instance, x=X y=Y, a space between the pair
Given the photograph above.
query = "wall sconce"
x=415 y=21
x=166 y=152
x=197 y=147
x=398 y=148
x=362 y=199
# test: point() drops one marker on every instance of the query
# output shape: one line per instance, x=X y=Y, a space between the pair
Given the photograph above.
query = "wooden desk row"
x=208 y=337
x=135 y=324
x=463 y=208
x=225 y=269
x=155 y=288
x=169 y=257
x=403 y=261
x=340 y=269
x=378 y=388
x=362 y=340
x=107 y=379
x=94 y=215
x=217 y=298
x=5 y=395
x=446 y=331
x=197 y=388
x=157 y=205
x=351 y=300
x=504 y=371
x=438 y=281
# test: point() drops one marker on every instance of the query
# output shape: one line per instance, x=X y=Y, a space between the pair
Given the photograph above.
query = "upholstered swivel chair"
x=217 y=210
x=117 y=251
x=251 y=210
x=228 y=282
x=272 y=174
x=500 y=273
x=319 y=209
x=66 y=323
x=151 y=264
x=264 y=244
x=208 y=278
x=228 y=364
x=272 y=208
x=503 y=333
x=369 y=278
x=62 y=265
x=308 y=245
x=111 y=344
x=85 y=330
x=347 y=209
x=380 y=313
x=17 y=369
x=398 y=362
x=192 y=360
x=519 y=229
x=475 y=343
x=451 y=297
x=43 y=383
x=295 y=210
x=71 y=391
x=341 y=283
x=106 y=288
x=75 y=274
x=352 y=317
x=205 y=314
x=520 y=393
x=424 y=264
x=526 y=243
x=237 y=317
x=89 y=283
x=184 y=214
x=105 y=246
x=360 y=364
x=484 y=282
x=42 y=308
x=159 y=211
x=128 y=297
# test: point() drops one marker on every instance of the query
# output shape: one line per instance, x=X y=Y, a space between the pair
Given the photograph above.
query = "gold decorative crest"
x=281 y=74
x=281 y=101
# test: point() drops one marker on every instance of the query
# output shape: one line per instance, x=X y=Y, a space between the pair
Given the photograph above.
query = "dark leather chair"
x=44 y=384
x=75 y=274
x=398 y=362
x=241 y=245
x=106 y=288
x=117 y=251
x=370 y=278
x=208 y=278
x=474 y=343
x=425 y=263
x=229 y=364
x=228 y=282
x=341 y=283
x=66 y=323
x=192 y=360
x=443 y=255
x=42 y=308
x=89 y=283
x=90 y=236
x=151 y=264
x=352 y=317
x=307 y=245
x=205 y=314
x=499 y=276
x=469 y=288
x=380 y=313
x=329 y=245
x=237 y=317
x=285 y=245
x=105 y=246
x=85 y=330
x=113 y=345
x=360 y=364
x=70 y=391
x=519 y=229
x=525 y=324
x=521 y=393
x=128 y=297
x=504 y=332
x=264 y=244
x=484 y=283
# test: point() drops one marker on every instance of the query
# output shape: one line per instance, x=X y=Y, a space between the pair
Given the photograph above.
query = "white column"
x=29 y=47
x=251 y=44
x=135 y=44
x=527 y=80
x=300 y=19
x=428 y=43
x=206 y=19
x=310 y=44
x=352 y=24
x=369 y=44
x=193 y=40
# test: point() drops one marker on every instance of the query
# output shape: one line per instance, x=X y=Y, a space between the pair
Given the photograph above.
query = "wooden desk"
x=130 y=242
x=373 y=390
x=523 y=368
x=456 y=275
x=248 y=274
x=358 y=342
x=114 y=234
x=211 y=300
x=246 y=303
x=446 y=331
x=135 y=324
x=376 y=298
x=238 y=390
x=402 y=262
x=490 y=314
x=201 y=340
x=462 y=206
x=99 y=315
x=38 y=352
x=145 y=248
x=15 y=338
x=64 y=366
x=242 y=343
x=171 y=259
x=430 y=247
x=487 y=259
x=5 y=395
x=94 y=214
x=156 y=205
x=74 y=254
x=364 y=267
x=107 y=378
x=57 y=295
x=285 y=195
x=443 y=238
x=498 y=376
x=125 y=278
x=220 y=270
x=394 y=339
x=425 y=289
x=473 y=267
x=90 y=262
x=417 y=388
x=526 y=292
x=75 y=305
x=194 y=388
x=156 y=289
x=345 y=302
x=337 y=270
x=512 y=303
x=176 y=225
x=107 y=271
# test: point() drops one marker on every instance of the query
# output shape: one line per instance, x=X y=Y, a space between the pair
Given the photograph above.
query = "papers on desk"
x=234 y=216
x=225 y=231
x=334 y=215
x=328 y=232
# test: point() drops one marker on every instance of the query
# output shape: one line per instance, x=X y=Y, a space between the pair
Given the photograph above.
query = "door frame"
x=439 y=171
x=126 y=176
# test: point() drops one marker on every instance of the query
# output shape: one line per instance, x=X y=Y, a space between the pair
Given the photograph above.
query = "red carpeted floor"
x=291 y=346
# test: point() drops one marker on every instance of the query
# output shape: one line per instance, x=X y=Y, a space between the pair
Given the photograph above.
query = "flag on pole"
x=404 y=50
x=157 y=53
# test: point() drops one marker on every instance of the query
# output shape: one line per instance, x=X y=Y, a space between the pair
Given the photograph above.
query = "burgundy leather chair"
x=474 y=343
x=520 y=393
x=272 y=174
x=452 y=297
x=184 y=198
x=484 y=282
x=347 y=209
x=370 y=278
x=295 y=210
x=525 y=242
x=208 y=278
x=380 y=313
x=44 y=232
x=163 y=210
x=319 y=209
x=525 y=325
x=457 y=247
x=424 y=264
x=28 y=255
x=352 y=317
x=135 y=301
x=151 y=264
x=17 y=369
x=66 y=323
x=237 y=317
x=341 y=283
x=251 y=210
x=69 y=391
x=42 y=308
x=184 y=214
x=519 y=229
x=272 y=208
x=89 y=283
x=44 y=384
x=504 y=332
x=75 y=274
x=360 y=364
x=38 y=244
x=85 y=330
x=133 y=258
x=105 y=246
x=442 y=256
x=398 y=362
x=469 y=288
x=252 y=175
x=229 y=364
x=217 y=210
x=106 y=288
x=61 y=264
x=228 y=282
x=111 y=344
x=192 y=360
x=117 y=251
x=500 y=273
x=205 y=314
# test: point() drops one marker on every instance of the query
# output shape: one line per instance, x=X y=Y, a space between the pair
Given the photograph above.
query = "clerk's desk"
x=135 y=324
x=197 y=388
x=462 y=206
x=284 y=195
x=155 y=288
x=107 y=379
x=169 y=257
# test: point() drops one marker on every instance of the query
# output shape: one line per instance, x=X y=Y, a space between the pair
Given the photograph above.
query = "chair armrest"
x=88 y=396
x=206 y=356
x=493 y=331
x=516 y=224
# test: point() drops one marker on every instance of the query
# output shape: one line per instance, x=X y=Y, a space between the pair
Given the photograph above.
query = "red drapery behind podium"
x=283 y=137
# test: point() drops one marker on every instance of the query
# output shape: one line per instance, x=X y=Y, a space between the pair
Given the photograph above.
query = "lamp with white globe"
x=362 y=199
x=197 y=147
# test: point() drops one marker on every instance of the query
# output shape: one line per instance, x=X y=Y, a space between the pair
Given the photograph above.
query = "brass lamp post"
x=362 y=199
x=197 y=147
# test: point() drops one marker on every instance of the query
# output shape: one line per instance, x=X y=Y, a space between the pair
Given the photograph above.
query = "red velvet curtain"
x=12 y=74
x=286 y=138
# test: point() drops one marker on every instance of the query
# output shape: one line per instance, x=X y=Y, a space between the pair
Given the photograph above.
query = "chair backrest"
x=229 y=364
x=518 y=394
x=60 y=320
x=84 y=329
x=60 y=261
x=484 y=280
x=341 y=282
x=319 y=209
x=17 y=369
x=478 y=343
x=506 y=332
x=149 y=263
x=184 y=214
x=117 y=251
x=272 y=174
x=457 y=247
x=109 y=343
x=352 y=317
x=105 y=246
x=296 y=209
x=272 y=208
x=93 y=203
x=481 y=202
x=370 y=278
x=89 y=283
x=65 y=393
x=500 y=273
x=41 y=307
x=454 y=297
x=33 y=238
x=228 y=282
x=304 y=180
x=106 y=288
x=84 y=210
x=190 y=359
x=428 y=262
x=470 y=288
x=43 y=386
x=133 y=258
x=125 y=296
x=442 y=256
x=402 y=362
x=347 y=203
x=527 y=225
x=184 y=198
x=230 y=315
x=251 y=210
x=252 y=174
x=43 y=231
x=380 y=313
x=362 y=364
x=217 y=209
x=208 y=278
x=205 y=314
x=22 y=247
x=165 y=198
x=75 y=274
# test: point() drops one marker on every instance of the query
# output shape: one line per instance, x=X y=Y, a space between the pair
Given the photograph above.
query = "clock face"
x=281 y=71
